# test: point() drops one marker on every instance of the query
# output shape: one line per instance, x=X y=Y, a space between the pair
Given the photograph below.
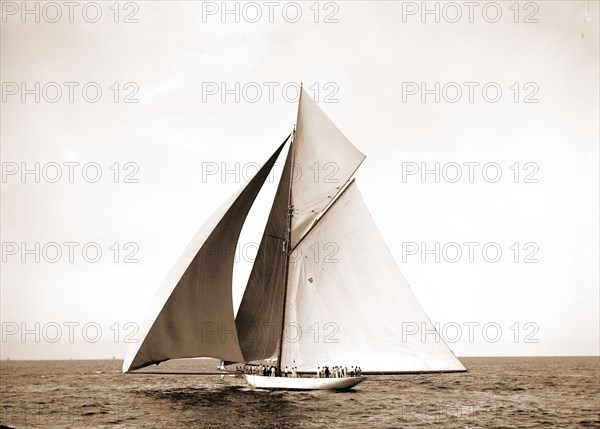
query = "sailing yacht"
x=324 y=289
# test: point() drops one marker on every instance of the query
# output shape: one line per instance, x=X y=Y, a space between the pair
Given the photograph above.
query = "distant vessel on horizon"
x=324 y=289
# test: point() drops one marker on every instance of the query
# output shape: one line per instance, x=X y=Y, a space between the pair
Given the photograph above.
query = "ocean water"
x=495 y=393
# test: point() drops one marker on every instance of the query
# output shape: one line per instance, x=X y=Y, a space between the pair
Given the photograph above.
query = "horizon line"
x=459 y=357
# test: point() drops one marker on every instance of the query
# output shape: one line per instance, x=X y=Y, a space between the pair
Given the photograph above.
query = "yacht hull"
x=302 y=383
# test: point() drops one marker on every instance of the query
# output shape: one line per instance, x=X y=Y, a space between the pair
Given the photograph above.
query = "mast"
x=288 y=245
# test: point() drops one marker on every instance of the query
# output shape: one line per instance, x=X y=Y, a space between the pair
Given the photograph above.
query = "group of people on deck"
x=322 y=372
x=338 y=372
x=259 y=369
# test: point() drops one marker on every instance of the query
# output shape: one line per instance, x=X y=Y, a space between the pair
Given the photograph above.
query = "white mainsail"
x=348 y=302
x=192 y=313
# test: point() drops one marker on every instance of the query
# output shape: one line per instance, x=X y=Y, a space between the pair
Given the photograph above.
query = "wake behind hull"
x=290 y=383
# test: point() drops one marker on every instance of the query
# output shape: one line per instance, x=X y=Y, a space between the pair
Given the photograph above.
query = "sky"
x=143 y=118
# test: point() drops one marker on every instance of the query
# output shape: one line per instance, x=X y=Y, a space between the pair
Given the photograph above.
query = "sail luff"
x=258 y=320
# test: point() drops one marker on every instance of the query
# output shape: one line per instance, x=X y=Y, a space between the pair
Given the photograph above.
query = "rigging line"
x=332 y=202
x=309 y=208
x=319 y=197
x=326 y=209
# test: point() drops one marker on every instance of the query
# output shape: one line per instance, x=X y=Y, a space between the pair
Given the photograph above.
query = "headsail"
x=348 y=302
x=259 y=318
x=192 y=314
x=324 y=160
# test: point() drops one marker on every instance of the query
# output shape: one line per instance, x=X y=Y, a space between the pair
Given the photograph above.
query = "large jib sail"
x=192 y=313
x=259 y=318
